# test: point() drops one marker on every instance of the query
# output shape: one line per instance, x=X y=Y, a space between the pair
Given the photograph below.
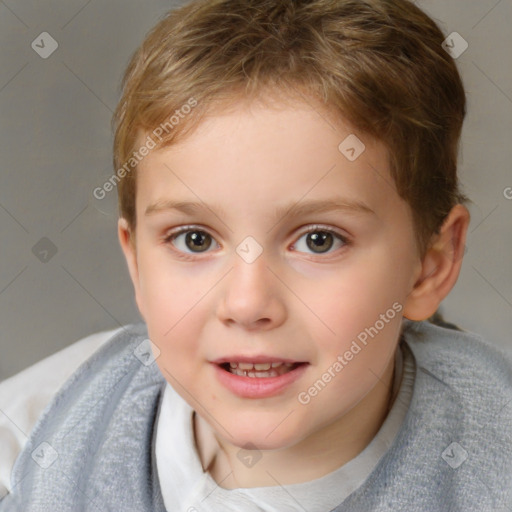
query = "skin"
x=292 y=301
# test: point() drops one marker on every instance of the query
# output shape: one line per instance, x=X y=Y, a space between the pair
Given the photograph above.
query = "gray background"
x=55 y=142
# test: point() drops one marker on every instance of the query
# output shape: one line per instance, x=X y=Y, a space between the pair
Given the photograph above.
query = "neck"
x=314 y=457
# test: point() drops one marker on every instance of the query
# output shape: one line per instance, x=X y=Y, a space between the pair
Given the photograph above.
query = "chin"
x=262 y=436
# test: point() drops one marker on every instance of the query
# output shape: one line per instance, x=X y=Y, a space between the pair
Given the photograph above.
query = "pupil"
x=317 y=240
x=195 y=239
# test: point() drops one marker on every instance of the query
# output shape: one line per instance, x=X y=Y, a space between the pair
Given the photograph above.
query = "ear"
x=440 y=267
x=127 y=241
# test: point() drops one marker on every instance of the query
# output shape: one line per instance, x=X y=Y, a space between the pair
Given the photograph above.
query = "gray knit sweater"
x=92 y=449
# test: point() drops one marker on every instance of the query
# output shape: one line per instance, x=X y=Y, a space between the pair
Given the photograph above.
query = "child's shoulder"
x=461 y=359
x=468 y=377
x=25 y=395
x=125 y=353
x=462 y=408
x=454 y=449
x=111 y=400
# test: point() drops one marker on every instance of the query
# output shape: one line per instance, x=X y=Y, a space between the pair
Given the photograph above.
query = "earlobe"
x=440 y=267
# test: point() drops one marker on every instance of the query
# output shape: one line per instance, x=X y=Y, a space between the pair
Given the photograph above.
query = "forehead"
x=256 y=156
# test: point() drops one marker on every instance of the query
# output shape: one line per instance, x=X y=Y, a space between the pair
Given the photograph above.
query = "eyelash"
x=170 y=237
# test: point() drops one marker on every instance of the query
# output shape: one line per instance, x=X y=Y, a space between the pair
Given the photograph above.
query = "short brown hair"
x=379 y=64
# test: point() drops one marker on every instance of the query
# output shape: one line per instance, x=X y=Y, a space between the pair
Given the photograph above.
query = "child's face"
x=304 y=298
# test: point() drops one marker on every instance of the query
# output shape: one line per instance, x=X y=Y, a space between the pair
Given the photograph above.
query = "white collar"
x=186 y=487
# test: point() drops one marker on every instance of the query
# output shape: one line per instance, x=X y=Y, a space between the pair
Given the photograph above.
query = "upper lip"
x=259 y=359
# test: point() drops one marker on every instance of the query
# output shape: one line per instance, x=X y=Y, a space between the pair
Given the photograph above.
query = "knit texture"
x=100 y=428
x=454 y=450
x=92 y=449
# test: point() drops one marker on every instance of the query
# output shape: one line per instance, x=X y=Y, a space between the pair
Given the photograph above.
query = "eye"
x=190 y=240
x=320 y=240
x=196 y=240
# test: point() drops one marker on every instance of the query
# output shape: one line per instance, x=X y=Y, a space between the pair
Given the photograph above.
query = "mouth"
x=262 y=379
x=259 y=370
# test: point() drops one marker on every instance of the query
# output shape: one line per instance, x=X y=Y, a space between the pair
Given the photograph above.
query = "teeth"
x=260 y=370
x=241 y=373
x=271 y=373
x=257 y=366
x=262 y=366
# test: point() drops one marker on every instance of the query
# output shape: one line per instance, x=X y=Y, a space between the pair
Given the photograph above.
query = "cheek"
x=347 y=301
x=173 y=321
x=163 y=288
x=357 y=312
x=173 y=309
x=175 y=306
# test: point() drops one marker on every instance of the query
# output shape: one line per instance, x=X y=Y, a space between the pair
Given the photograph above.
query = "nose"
x=252 y=296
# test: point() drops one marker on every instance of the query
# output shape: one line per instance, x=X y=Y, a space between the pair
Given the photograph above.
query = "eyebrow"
x=295 y=209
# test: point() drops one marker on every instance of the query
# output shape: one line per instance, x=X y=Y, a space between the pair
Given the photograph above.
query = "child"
x=282 y=375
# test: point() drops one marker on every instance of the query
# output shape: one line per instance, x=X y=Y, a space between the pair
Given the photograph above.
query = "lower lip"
x=258 y=387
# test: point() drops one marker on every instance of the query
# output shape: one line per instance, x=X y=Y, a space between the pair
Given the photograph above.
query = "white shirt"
x=184 y=484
